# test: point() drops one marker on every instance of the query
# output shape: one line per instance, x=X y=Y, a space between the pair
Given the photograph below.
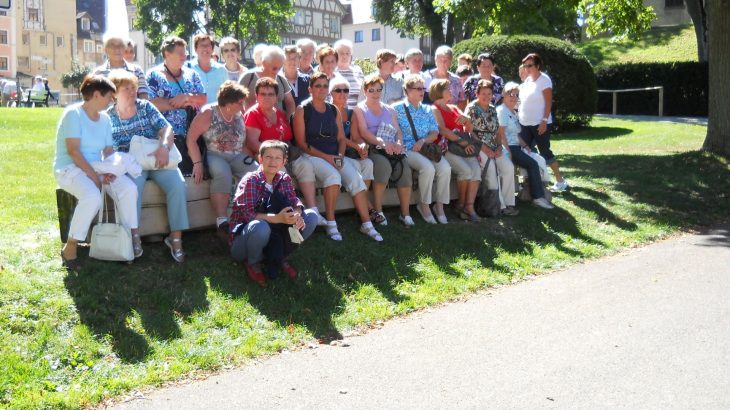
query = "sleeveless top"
x=373 y=121
x=225 y=137
x=321 y=128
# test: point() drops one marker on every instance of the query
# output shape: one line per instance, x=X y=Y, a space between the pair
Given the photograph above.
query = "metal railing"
x=626 y=90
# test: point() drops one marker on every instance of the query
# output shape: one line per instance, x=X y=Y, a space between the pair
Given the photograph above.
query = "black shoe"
x=224 y=232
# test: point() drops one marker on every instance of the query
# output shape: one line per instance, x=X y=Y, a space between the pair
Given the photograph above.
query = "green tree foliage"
x=75 y=77
x=249 y=21
x=574 y=83
x=618 y=17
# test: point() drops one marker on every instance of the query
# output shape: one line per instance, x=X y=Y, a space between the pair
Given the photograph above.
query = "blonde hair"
x=437 y=88
x=121 y=78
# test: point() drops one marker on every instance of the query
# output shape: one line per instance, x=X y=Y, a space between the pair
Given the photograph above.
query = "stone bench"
x=153 y=220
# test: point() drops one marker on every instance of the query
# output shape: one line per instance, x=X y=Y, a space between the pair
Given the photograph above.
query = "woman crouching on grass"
x=264 y=208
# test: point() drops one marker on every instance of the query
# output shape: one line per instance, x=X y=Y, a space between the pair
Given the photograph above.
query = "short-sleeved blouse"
x=222 y=136
x=147 y=122
x=250 y=78
x=470 y=88
x=94 y=136
x=485 y=123
x=508 y=119
x=423 y=119
x=161 y=87
x=280 y=130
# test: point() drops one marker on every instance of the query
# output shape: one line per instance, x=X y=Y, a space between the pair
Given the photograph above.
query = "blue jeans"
x=250 y=244
x=172 y=183
x=533 y=170
x=531 y=137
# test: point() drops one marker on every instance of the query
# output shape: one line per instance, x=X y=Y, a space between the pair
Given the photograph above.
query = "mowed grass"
x=70 y=340
x=659 y=44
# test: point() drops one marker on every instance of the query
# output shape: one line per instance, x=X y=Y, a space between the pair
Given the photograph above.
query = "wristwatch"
x=545 y=119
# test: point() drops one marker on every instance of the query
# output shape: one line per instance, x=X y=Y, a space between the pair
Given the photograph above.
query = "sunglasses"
x=341 y=90
x=417 y=88
x=375 y=90
x=228 y=50
x=321 y=86
x=512 y=94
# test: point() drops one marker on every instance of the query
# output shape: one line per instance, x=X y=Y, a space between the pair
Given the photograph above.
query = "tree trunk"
x=697 y=10
x=718 y=126
x=450 y=23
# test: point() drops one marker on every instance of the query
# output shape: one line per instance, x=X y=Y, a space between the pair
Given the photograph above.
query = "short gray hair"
x=343 y=43
x=412 y=53
x=510 y=86
x=306 y=42
x=271 y=52
x=258 y=49
x=444 y=51
x=338 y=80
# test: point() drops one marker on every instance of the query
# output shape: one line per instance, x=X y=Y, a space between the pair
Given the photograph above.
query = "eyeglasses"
x=528 y=65
x=321 y=86
x=375 y=90
x=417 y=88
x=341 y=90
x=228 y=50
x=511 y=94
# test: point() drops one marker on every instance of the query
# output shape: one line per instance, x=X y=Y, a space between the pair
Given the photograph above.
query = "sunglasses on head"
x=341 y=90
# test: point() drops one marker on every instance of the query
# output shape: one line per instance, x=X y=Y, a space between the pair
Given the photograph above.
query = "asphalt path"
x=646 y=329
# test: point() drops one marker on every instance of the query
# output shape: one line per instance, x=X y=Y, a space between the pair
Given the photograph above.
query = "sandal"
x=178 y=255
x=333 y=233
x=377 y=217
x=70 y=264
x=137 y=246
x=428 y=219
x=371 y=232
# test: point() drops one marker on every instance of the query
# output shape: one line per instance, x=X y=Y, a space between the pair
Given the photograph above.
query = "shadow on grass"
x=592 y=134
x=677 y=190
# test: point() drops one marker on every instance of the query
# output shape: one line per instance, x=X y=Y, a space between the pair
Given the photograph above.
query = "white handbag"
x=110 y=241
x=141 y=148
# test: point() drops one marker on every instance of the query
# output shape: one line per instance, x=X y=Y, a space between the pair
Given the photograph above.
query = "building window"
x=376 y=34
x=26 y=38
x=33 y=14
x=299 y=18
x=334 y=25
x=85 y=24
x=59 y=41
x=673 y=3
x=23 y=61
x=99 y=48
x=3 y=37
x=3 y=13
x=358 y=36
x=44 y=40
x=88 y=46
x=3 y=63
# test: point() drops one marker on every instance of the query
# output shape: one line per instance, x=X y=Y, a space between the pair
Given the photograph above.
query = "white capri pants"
x=466 y=169
x=427 y=171
x=123 y=191
x=329 y=175
x=506 y=176
x=363 y=166
x=302 y=169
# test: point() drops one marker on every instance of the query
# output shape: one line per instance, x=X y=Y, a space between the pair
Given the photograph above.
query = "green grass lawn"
x=73 y=339
x=660 y=44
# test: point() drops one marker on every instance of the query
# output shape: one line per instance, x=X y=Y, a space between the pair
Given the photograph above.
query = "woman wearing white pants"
x=484 y=119
x=84 y=134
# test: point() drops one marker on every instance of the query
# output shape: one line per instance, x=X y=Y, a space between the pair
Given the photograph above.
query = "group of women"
x=343 y=129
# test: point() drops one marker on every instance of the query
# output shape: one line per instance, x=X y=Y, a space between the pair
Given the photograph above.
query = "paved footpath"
x=647 y=329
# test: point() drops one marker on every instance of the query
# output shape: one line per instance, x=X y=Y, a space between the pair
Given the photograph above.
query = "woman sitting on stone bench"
x=132 y=116
x=222 y=128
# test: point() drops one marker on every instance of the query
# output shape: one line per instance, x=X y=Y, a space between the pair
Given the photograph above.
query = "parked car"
x=10 y=91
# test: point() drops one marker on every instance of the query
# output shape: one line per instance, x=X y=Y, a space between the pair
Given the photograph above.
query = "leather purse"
x=465 y=140
x=110 y=241
x=142 y=148
x=429 y=150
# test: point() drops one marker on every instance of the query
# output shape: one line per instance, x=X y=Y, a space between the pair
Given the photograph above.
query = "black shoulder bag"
x=280 y=244
x=429 y=149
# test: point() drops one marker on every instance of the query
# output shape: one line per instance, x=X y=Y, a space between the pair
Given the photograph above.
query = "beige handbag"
x=110 y=241
x=141 y=148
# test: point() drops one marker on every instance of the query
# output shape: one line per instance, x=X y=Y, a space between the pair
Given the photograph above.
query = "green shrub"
x=574 y=83
x=685 y=88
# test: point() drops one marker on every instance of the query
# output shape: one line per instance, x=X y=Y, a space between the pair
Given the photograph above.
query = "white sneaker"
x=322 y=220
x=560 y=186
x=543 y=203
x=407 y=220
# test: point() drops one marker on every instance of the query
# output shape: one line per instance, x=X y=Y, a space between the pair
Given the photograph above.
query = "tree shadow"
x=592 y=134
x=718 y=236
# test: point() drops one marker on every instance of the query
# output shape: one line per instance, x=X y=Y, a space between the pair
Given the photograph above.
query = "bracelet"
x=197 y=162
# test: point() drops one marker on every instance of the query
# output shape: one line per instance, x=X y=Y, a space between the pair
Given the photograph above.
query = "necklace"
x=228 y=120
x=174 y=77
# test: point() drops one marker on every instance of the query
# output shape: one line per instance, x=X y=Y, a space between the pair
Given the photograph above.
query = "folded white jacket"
x=118 y=163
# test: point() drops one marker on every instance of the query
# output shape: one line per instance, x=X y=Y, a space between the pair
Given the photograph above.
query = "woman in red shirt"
x=468 y=173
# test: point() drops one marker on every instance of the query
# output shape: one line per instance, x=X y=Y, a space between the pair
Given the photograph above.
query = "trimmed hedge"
x=574 y=83
x=685 y=88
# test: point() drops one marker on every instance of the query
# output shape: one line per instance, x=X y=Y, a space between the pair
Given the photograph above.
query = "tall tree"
x=718 y=52
x=246 y=20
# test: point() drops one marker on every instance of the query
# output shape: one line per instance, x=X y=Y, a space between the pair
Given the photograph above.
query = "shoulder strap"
x=250 y=79
x=307 y=107
x=410 y=121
